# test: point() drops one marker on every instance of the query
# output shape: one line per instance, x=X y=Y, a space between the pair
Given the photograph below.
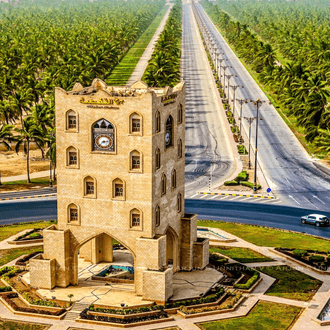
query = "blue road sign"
x=268 y=190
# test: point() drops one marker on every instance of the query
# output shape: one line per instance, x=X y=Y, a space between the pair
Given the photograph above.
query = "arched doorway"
x=172 y=255
x=107 y=253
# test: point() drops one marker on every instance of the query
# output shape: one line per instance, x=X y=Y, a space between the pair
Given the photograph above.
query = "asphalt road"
x=287 y=167
x=262 y=214
x=207 y=146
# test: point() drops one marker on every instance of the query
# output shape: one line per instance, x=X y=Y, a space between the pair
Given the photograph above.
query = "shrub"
x=316 y=258
x=234 y=129
x=249 y=184
x=249 y=283
x=5 y=288
x=235 y=137
x=243 y=176
x=35 y=235
x=229 y=114
x=217 y=260
x=231 y=183
x=242 y=150
x=299 y=253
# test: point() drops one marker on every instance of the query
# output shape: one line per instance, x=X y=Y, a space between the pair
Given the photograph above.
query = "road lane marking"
x=203 y=196
x=193 y=196
x=214 y=196
x=294 y=199
x=308 y=201
x=318 y=199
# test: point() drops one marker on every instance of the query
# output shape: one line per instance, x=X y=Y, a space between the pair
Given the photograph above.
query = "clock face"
x=167 y=138
x=104 y=141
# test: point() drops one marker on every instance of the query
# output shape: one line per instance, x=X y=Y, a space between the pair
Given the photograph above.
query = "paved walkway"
x=36 y=175
x=311 y=308
x=143 y=62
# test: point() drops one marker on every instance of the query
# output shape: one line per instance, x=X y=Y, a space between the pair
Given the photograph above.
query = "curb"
x=241 y=195
x=25 y=197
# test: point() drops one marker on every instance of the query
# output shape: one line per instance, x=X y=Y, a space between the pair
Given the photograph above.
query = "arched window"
x=73 y=213
x=179 y=202
x=180 y=114
x=180 y=148
x=135 y=160
x=72 y=157
x=169 y=132
x=135 y=123
x=157 y=215
x=157 y=158
x=173 y=179
x=71 y=120
x=136 y=220
x=158 y=124
x=89 y=186
x=163 y=184
x=103 y=134
x=118 y=189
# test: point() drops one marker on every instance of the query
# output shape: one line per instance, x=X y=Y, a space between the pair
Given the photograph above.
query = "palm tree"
x=6 y=136
x=28 y=133
x=323 y=141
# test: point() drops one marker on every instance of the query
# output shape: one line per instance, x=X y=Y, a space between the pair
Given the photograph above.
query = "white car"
x=315 y=219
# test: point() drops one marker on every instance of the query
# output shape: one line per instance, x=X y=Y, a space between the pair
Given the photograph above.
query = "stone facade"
x=120 y=170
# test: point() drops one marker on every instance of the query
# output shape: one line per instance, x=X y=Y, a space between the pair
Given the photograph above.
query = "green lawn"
x=13 y=229
x=9 y=255
x=290 y=283
x=269 y=237
x=264 y=316
x=123 y=71
x=244 y=255
x=10 y=325
x=24 y=185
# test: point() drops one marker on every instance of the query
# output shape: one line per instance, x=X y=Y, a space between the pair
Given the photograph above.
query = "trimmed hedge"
x=299 y=253
x=217 y=260
x=249 y=283
x=231 y=183
x=242 y=150
x=316 y=258
x=5 y=288
x=8 y=299
x=243 y=176
x=249 y=184
x=126 y=311
x=214 y=297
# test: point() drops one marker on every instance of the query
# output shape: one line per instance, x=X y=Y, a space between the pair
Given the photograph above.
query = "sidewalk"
x=22 y=177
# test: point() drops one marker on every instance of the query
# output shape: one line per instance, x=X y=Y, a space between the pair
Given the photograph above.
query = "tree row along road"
x=207 y=146
x=262 y=214
x=288 y=168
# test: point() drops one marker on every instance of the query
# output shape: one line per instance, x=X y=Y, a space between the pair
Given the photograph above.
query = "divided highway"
x=289 y=170
x=208 y=151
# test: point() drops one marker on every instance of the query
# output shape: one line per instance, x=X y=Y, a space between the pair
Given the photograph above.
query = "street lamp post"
x=50 y=163
x=234 y=87
x=229 y=76
x=225 y=67
x=250 y=121
x=257 y=103
x=241 y=101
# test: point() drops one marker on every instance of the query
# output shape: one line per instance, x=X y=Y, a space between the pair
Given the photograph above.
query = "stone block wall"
x=42 y=273
x=201 y=253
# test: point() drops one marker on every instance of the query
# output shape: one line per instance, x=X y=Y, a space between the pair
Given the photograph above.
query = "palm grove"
x=286 y=44
x=44 y=44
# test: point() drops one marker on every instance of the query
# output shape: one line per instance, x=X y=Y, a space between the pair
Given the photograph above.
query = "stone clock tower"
x=120 y=169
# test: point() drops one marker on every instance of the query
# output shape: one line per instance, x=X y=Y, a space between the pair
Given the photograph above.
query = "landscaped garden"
x=264 y=236
x=11 y=254
x=290 y=283
x=317 y=259
x=264 y=316
x=240 y=254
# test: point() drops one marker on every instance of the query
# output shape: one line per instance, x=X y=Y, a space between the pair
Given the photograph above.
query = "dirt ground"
x=15 y=164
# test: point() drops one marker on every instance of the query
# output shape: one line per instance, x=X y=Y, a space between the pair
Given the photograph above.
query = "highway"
x=288 y=168
x=207 y=145
x=261 y=214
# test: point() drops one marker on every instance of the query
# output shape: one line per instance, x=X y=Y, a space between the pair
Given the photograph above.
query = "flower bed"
x=8 y=299
x=5 y=289
x=316 y=259
x=30 y=235
x=85 y=315
x=229 y=302
x=191 y=302
x=23 y=261
x=125 y=311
